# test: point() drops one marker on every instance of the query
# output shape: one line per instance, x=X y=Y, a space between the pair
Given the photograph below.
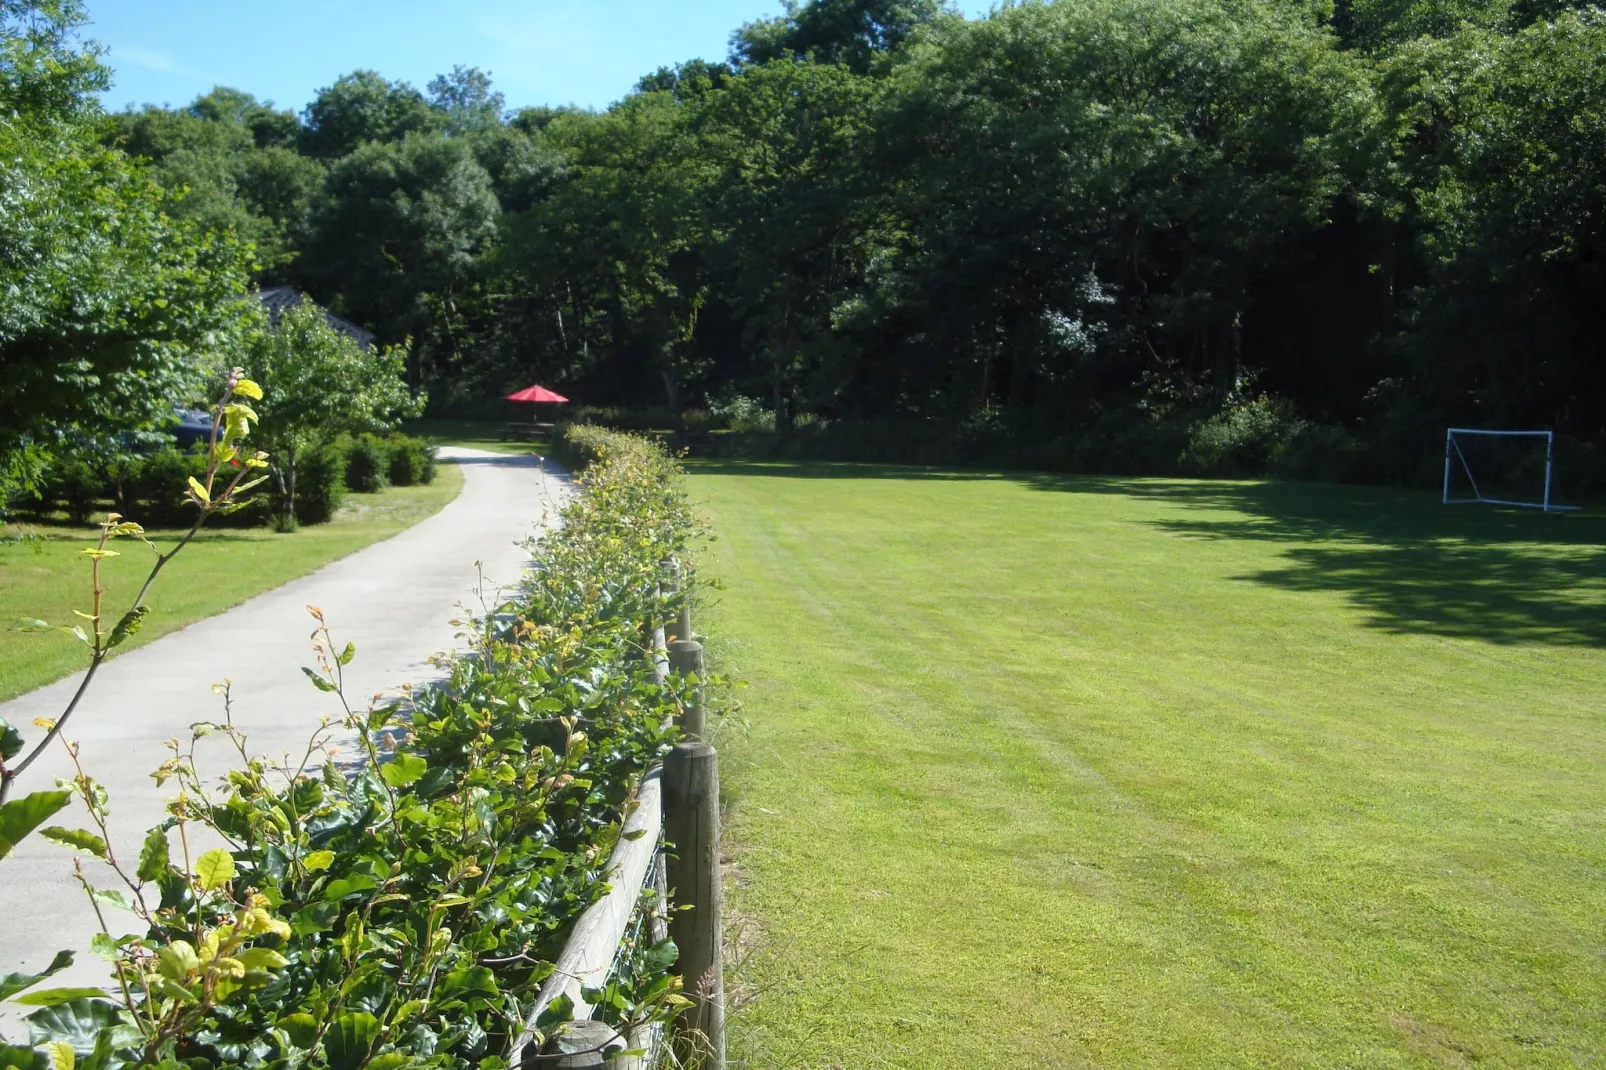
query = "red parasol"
x=536 y=393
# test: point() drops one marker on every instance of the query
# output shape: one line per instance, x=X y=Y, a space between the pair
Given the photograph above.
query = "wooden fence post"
x=686 y=659
x=583 y=1044
x=673 y=626
x=691 y=824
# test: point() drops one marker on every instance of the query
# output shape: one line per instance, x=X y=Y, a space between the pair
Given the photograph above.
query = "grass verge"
x=1154 y=773
x=220 y=569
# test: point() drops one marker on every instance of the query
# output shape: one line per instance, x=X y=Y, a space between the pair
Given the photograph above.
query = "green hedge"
x=412 y=461
x=402 y=913
x=367 y=464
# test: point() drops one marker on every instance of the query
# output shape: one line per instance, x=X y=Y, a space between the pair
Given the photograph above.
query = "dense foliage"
x=403 y=909
x=113 y=311
x=1072 y=233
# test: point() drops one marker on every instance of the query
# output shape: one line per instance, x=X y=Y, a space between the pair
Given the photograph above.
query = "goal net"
x=1500 y=468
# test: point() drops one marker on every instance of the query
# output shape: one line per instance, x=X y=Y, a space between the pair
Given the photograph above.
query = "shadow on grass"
x=1414 y=565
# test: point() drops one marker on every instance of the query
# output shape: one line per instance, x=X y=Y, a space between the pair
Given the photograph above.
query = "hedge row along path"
x=395 y=600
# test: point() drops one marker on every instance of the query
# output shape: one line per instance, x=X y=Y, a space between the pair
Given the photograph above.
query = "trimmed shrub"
x=367 y=464
x=78 y=487
x=155 y=485
x=482 y=816
x=153 y=489
x=320 y=485
x=412 y=461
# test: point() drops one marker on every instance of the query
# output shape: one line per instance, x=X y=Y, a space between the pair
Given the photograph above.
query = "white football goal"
x=1501 y=468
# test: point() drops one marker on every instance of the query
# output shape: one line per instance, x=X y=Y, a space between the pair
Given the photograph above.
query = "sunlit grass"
x=221 y=568
x=1145 y=773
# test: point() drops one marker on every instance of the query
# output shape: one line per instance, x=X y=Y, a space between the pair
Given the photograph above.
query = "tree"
x=317 y=383
x=227 y=165
x=853 y=33
x=786 y=141
x=113 y=310
x=399 y=238
x=1499 y=153
x=362 y=107
x=633 y=195
x=466 y=101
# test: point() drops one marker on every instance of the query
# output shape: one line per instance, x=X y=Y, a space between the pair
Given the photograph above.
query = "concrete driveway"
x=393 y=599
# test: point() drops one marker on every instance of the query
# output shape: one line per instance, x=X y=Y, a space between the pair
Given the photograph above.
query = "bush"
x=320 y=484
x=418 y=897
x=367 y=464
x=742 y=414
x=579 y=447
x=153 y=489
x=1320 y=452
x=78 y=487
x=412 y=461
x=1240 y=440
x=155 y=485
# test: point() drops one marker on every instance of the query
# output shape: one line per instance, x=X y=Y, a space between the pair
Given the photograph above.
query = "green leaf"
x=262 y=958
x=51 y=996
x=389 y=1061
x=403 y=770
x=114 y=897
x=78 y=1022
x=318 y=681
x=177 y=961
x=318 y=860
x=347 y=654
x=353 y=885
x=10 y=741
x=469 y=981
x=60 y=1054
x=248 y=389
x=302 y=1029
x=349 y=1040
x=82 y=839
x=15 y=1058
x=214 y=869
x=21 y=816
x=153 y=857
x=661 y=957
x=199 y=491
x=129 y=626
x=12 y=983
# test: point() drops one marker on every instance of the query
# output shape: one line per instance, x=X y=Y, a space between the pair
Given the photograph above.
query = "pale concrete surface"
x=393 y=599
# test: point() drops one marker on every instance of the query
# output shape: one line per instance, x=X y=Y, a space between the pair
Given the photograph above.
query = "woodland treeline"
x=1122 y=235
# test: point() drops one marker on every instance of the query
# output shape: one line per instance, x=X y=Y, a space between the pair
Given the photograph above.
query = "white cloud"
x=143 y=57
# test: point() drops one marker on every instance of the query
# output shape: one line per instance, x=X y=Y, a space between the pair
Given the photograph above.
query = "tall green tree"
x=113 y=310
x=398 y=242
x=317 y=383
x=362 y=107
x=787 y=142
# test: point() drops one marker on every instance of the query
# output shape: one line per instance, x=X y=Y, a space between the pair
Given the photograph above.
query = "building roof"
x=278 y=298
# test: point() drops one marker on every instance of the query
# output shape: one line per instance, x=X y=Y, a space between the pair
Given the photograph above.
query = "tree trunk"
x=666 y=368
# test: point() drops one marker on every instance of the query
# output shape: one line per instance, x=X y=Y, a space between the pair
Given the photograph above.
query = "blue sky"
x=586 y=52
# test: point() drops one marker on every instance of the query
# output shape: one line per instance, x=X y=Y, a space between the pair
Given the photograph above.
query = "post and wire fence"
x=664 y=880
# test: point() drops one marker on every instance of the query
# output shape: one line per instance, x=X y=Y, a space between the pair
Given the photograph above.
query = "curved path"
x=393 y=599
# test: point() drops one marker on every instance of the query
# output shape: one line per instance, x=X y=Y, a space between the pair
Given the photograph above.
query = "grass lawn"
x=1154 y=773
x=221 y=568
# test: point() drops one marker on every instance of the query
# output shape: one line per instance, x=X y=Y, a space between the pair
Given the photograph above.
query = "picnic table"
x=516 y=429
